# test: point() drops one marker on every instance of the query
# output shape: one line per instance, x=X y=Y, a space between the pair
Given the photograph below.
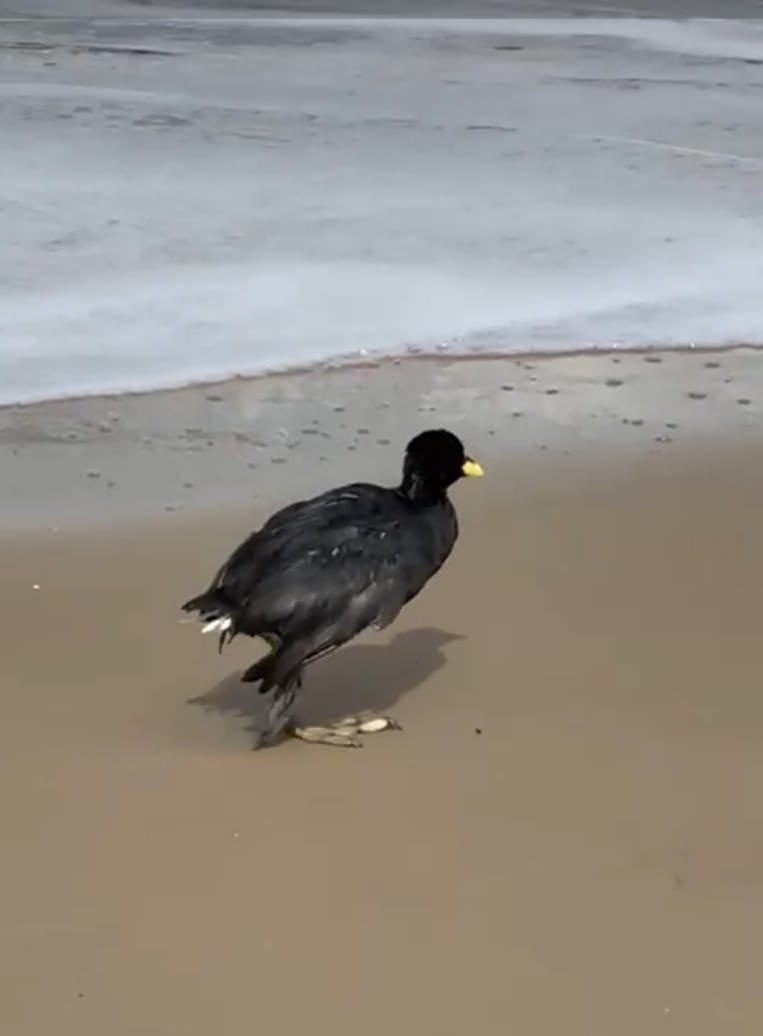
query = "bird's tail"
x=214 y=613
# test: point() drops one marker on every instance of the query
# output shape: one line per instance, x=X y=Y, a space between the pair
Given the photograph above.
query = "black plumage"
x=320 y=571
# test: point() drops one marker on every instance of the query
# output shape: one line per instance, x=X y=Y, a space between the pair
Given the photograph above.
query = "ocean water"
x=186 y=197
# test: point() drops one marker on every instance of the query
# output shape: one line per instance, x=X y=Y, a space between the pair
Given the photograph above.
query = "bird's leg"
x=278 y=720
x=278 y=716
x=344 y=732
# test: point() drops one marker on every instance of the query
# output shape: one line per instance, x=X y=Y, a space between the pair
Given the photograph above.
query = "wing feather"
x=335 y=562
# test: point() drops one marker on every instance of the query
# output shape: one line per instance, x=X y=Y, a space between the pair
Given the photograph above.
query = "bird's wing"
x=336 y=562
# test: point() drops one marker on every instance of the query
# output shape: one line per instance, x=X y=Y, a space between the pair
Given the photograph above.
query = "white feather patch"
x=217 y=625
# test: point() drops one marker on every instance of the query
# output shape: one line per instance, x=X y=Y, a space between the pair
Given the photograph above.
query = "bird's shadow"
x=355 y=679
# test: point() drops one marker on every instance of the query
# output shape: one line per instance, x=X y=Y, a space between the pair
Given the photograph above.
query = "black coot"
x=320 y=571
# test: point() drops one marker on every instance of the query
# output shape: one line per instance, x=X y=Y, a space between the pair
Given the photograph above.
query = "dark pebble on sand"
x=552 y=392
x=712 y=364
x=478 y=730
x=93 y=474
x=309 y=431
x=507 y=388
x=653 y=359
x=697 y=395
x=637 y=422
x=213 y=397
x=277 y=460
x=744 y=401
x=671 y=424
x=613 y=382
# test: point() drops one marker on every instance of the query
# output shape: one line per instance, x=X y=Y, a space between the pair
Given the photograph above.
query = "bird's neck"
x=418 y=492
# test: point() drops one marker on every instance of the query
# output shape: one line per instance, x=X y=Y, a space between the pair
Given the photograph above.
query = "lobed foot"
x=343 y=733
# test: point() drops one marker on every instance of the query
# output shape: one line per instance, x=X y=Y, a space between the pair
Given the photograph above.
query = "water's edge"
x=361 y=360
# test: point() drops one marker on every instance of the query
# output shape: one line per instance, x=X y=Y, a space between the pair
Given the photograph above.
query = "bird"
x=320 y=571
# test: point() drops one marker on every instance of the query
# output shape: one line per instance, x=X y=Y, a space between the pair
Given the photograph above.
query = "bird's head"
x=434 y=460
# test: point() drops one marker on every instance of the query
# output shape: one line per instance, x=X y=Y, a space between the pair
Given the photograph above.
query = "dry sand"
x=565 y=838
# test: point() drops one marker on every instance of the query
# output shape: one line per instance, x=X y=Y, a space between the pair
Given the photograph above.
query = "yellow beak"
x=472 y=469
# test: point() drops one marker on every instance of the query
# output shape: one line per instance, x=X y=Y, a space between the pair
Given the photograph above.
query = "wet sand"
x=566 y=835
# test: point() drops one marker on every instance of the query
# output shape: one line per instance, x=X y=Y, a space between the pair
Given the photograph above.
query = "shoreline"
x=379 y=359
x=100 y=459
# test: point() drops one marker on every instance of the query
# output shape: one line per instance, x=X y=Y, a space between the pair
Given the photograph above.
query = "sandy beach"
x=564 y=838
